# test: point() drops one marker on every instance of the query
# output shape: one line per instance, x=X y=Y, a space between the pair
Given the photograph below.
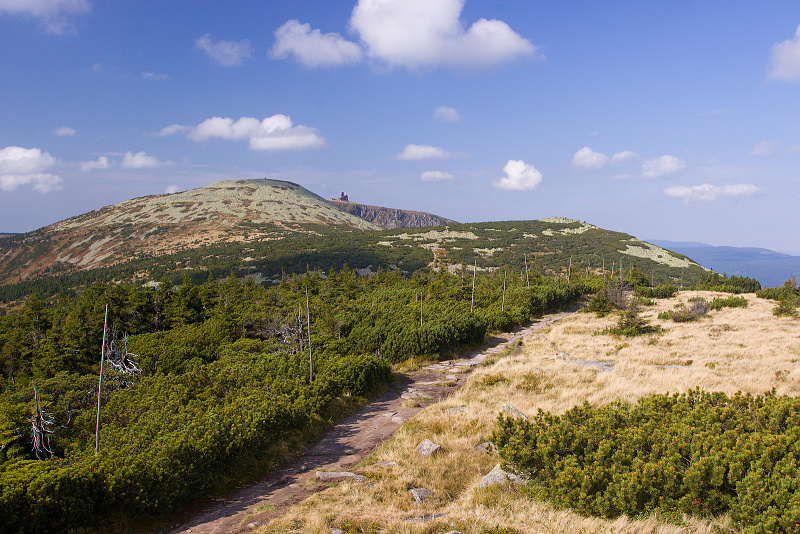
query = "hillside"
x=552 y=246
x=769 y=267
x=226 y=211
x=390 y=218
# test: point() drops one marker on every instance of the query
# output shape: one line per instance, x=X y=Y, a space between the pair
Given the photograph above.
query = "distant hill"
x=392 y=218
x=769 y=267
x=226 y=211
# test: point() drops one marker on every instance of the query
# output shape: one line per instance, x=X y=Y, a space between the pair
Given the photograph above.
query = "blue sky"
x=667 y=120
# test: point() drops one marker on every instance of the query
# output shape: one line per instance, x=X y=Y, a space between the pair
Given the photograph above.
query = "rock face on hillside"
x=226 y=211
x=391 y=218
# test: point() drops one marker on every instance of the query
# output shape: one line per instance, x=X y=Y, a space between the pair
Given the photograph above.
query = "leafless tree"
x=43 y=425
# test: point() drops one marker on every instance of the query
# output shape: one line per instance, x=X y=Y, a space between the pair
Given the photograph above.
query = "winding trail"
x=347 y=443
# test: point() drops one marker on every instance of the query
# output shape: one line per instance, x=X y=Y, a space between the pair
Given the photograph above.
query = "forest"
x=201 y=381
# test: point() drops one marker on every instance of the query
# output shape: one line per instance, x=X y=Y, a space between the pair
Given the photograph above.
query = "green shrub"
x=730 y=302
x=663 y=291
x=698 y=453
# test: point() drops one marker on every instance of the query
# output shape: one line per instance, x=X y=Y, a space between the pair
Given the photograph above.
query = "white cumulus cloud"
x=55 y=15
x=139 y=160
x=64 y=131
x=406 y=33
x=171 y=189
x=784 y=61
x=417 y=152
x=708 y=192
x=662 y=166
x=519 y=176
x=272 y=133
x=437 y=176
x=27 y=166
x=418 y=33
x=312 y=48
x=446 y=114
x=227 y=53
x=173 y=129
x=102 y=163
x=586 y=158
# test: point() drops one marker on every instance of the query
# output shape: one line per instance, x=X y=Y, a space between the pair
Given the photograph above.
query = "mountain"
x=769 y=267
x=392 y=218
x=266 y=229
x=226 y=211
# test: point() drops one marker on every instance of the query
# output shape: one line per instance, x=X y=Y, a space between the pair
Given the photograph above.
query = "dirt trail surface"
x=347 y=443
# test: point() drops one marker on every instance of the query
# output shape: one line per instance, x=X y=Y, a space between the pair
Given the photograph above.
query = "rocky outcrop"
x=391 y=218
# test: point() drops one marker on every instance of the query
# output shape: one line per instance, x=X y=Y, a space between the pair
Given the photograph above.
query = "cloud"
x=519 y=176
x=173 y=129
x=417 y=33
x=226 y=53
x=764 y=149
x=140 y=160
x=273 y=133
x=417 y=152
x=708 y=192
x=159 y=77
x=446 y=114
x=437 y=176
x=65 y=131
x=171 y=189
x=785 y=60
x=55 y=15
x=622 y=156
x=102 y=163
x=406 y=33
x=662 y=166
x=22 y=166
x=586 y=158
x=312 y=48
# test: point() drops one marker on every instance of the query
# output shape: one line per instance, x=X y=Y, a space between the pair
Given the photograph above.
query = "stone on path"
x=399 y=419
x=427 y=448
x=420 y=494
x=329 y=476
x=496 y=476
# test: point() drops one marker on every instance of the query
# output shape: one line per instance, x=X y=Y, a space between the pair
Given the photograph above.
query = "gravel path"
x=346 y=444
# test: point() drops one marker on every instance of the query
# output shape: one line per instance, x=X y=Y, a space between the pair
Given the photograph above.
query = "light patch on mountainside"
x=656 y=254
x=487 y=251
x=566 y=231
x=436 y=234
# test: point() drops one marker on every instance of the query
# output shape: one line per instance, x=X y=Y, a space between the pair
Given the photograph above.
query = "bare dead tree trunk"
x=310 y=359
x=527 y=278
x=474 y=271
x=503 y=306
x=100 y=384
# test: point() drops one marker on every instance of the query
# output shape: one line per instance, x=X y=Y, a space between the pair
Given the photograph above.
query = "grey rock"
x=497 y=476
x=514 y=412
x=486 y=446
x=427 y=448
x=386 y=464
x=420 y=494
x=339 y=475
x=457 y=409
x=336 y=531
x=399 y=419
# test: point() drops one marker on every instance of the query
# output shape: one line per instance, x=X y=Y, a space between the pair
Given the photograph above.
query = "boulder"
x=427 y=448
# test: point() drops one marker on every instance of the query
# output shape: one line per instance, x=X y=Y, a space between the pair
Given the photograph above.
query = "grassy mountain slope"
x=547 y=246
x=226 y=211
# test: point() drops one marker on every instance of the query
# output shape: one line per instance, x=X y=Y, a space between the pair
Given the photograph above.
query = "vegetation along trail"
x=347 y=443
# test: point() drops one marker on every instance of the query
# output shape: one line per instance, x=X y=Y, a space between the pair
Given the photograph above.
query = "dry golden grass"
x=730 y=350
